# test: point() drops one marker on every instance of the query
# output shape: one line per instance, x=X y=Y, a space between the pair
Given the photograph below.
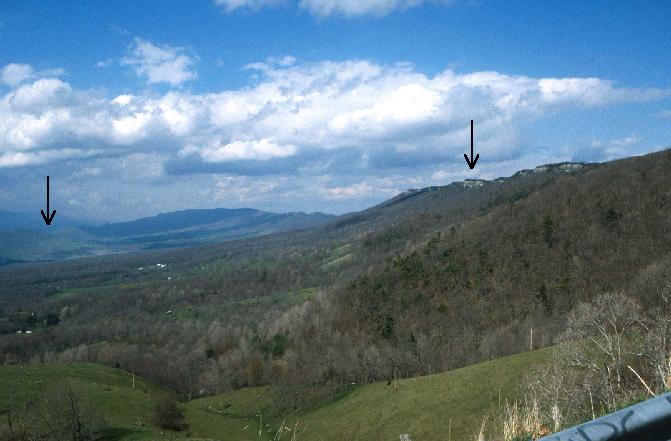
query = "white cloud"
x=233 y=5
x=350 y=191
x=260 y=150
x=40 y=95
x=326 y=8
x=107 y=62
x=592 y=91
x=285 y=61
x=341 y=118
x=122 y=100
x=17 y=159
x=665 y=114
x=160 y=64
x=14 y=74
x=350 y=8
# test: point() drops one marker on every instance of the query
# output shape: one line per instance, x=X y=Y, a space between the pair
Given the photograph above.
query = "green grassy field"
x=126 y=411
x=426 y=408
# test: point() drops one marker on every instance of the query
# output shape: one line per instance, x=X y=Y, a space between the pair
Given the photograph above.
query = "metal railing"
x=646 y=421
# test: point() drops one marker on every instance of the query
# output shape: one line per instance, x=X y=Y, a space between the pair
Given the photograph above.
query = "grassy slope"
x=232 y=416
x=123 y=407
x=421 y=407
x=127 y=411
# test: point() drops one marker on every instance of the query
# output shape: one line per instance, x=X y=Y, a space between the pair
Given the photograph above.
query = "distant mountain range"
x=24 y=237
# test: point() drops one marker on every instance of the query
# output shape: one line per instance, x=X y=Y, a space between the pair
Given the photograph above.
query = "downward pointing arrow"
x=471 y=162
x=48 y=219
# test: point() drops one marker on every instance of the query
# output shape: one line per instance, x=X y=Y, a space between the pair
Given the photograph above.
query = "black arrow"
x=471 y=162
x=48 y=219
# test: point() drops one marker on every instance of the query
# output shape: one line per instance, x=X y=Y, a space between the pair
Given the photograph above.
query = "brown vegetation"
x=433 y=280
x=62 y=412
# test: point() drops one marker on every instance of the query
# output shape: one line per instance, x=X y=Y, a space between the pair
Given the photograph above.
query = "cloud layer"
x=338 y=130
x=384 y=116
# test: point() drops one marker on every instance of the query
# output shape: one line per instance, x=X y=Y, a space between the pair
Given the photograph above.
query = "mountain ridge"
x=25 y=238
x=184 y=219
x=196 y=226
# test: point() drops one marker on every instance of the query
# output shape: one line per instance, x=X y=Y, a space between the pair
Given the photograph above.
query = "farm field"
x=422 y=407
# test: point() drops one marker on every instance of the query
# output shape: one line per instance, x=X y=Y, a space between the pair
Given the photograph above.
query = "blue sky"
x=314 y=105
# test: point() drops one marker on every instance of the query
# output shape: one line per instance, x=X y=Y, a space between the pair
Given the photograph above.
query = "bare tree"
x=601 y=342
x=654 y=285
x=62 y=412
x=18 y=424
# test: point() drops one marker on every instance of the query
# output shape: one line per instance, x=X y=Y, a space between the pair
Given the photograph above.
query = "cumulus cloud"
x=341 y=131
x=14 y=74
x=160 y=64
x=300 y=118
x=40 y=95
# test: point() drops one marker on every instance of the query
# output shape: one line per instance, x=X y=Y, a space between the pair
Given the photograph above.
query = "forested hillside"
x=431 y=280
